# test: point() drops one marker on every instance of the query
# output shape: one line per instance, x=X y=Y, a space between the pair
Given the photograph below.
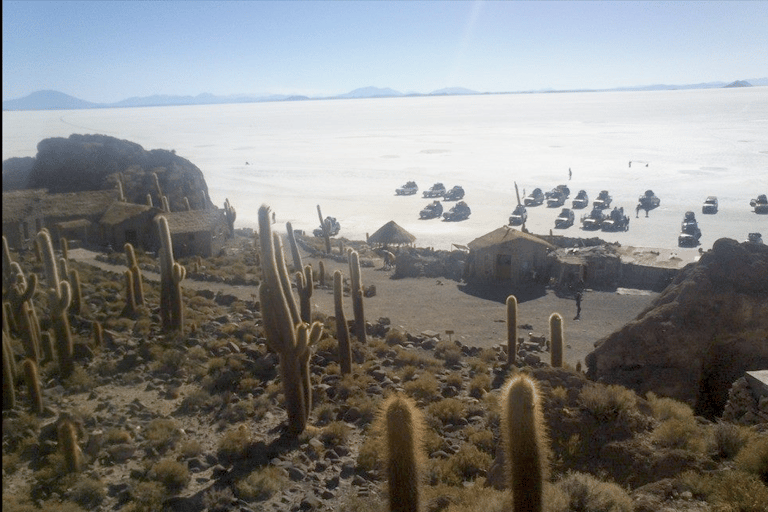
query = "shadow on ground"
x=499 y=293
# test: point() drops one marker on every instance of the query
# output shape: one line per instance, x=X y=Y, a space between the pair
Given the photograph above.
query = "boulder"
x=706 y=329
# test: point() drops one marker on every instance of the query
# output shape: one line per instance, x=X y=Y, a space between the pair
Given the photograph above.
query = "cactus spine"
x=404 y=425
x=556 y=335
x=9 y=374
x=133 y=266
x=305 y=286
x=171 y=275
x=285 y=332
x=356 y=287
x=294 y=247
x=511 y=329
x=32 y=378
x=73 y=456
x=525 y=443
x=59 y=300
x=342 y=331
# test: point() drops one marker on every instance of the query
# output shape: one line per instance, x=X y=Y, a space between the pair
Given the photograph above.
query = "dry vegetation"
x=197 y=418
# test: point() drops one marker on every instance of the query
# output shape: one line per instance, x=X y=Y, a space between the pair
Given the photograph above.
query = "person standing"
x=578 y=305
x=570 y=174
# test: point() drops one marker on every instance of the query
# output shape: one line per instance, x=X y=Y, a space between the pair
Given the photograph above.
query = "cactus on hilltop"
x=133 y=265
x=129 y=310
x=230 y=214
x=294 y=247
x=404 y=431
x=32 y=378
x=326 y=227
x=511 y=330
x=356 y=290
x=342 y=330
x=525 y=442
x=556 y=335
x=286 y=334
x=77 y=292
x=305 y=287
x=171 y=275
x=321 y=272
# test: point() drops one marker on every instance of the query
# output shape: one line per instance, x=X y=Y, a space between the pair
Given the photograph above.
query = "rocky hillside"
x=701 y=334
x=94 y=162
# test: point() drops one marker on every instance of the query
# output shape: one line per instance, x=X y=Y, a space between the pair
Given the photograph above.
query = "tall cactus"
x=9 y=374
x=129 y=310
x=342 y=331
x=511 y=330
x=230 y=215
x=20 y=293
x=59 y=300
x=133 y=265
x=321 y=271
x=305 y=287
x=525 y=443
x=77 y=292
x=171 y=275
x=356 y=287
x=294 y=247
x=73 y=456
x=326 y=227
x=32 y=378
x=9 y=278
x=286 y=334
x=404 y=424
x=556 y=335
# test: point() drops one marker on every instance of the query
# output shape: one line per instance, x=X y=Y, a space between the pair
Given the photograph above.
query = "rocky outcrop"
x=706 y=329
x=95 y=162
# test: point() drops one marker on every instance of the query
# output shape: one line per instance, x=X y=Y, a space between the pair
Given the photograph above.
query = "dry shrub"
x=729 y=439
x=449 y=352
x=173 y=475
x=369 y=455
x=234 y=444
x=425 y=387
x=465 y=499
x=728 y=491
x=147 y=497
x=681 y=433
x=482 y=438
x=586 y=493
x=608 y=402
x=87 y=492
x=455 y=379
x=450 y=411
x=753 y=457
x=261 y=484
x=479 y=385
x=162 y=434
x=334 y=434
x=467 y=463
x=117 y=436
x=395 y=337
x=664 y=408
x=408 y=373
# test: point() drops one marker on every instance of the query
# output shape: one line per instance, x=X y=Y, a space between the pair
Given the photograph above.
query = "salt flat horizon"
x=348 y=156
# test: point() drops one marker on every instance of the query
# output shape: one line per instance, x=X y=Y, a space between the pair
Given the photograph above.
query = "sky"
x=107 y=51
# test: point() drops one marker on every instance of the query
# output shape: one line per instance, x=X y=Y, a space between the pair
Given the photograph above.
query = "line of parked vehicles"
x=600 y=217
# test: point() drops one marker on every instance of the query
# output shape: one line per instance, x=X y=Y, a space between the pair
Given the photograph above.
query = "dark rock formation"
x=16 y=173
x=706 y=329
x=96 y=162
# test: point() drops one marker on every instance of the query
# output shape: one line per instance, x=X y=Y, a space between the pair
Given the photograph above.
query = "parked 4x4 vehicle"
x=710 y=205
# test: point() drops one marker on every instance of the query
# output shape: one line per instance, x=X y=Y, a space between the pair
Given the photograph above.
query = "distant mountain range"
x=55 y=100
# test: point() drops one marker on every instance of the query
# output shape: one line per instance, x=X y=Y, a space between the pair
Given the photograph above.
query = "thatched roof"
x=78 y=204
x=120 y=211
x=504 y=235
x=20 y=204
x=392 y=234
x=194 y=221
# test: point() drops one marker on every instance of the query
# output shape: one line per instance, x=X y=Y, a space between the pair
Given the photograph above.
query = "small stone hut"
x=197 y=232
x=507 y=255
x=129 y=222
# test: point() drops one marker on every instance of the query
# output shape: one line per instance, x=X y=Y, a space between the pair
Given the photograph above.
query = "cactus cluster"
x=59 y=300
x=133 y=265
x=286 y=333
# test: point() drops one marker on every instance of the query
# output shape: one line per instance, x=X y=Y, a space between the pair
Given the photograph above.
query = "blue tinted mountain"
x=739 y=83
x=47 y=100
x=97 y=162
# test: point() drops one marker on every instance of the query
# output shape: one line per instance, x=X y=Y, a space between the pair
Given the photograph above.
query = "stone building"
x=507 y=255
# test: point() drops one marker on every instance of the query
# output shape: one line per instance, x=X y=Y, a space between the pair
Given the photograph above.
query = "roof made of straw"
x=78 y=204
x=20 y=204
x=391 y=233
x=504 y=235
x=119 y=212
x=194 y=221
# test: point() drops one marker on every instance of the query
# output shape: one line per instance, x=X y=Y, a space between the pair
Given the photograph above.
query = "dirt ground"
x=477 y=318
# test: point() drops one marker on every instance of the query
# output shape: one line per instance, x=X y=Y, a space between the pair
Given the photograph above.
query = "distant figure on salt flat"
x=570 y=174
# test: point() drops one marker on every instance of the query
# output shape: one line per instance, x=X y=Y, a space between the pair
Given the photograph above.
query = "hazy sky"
x=108 y=51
